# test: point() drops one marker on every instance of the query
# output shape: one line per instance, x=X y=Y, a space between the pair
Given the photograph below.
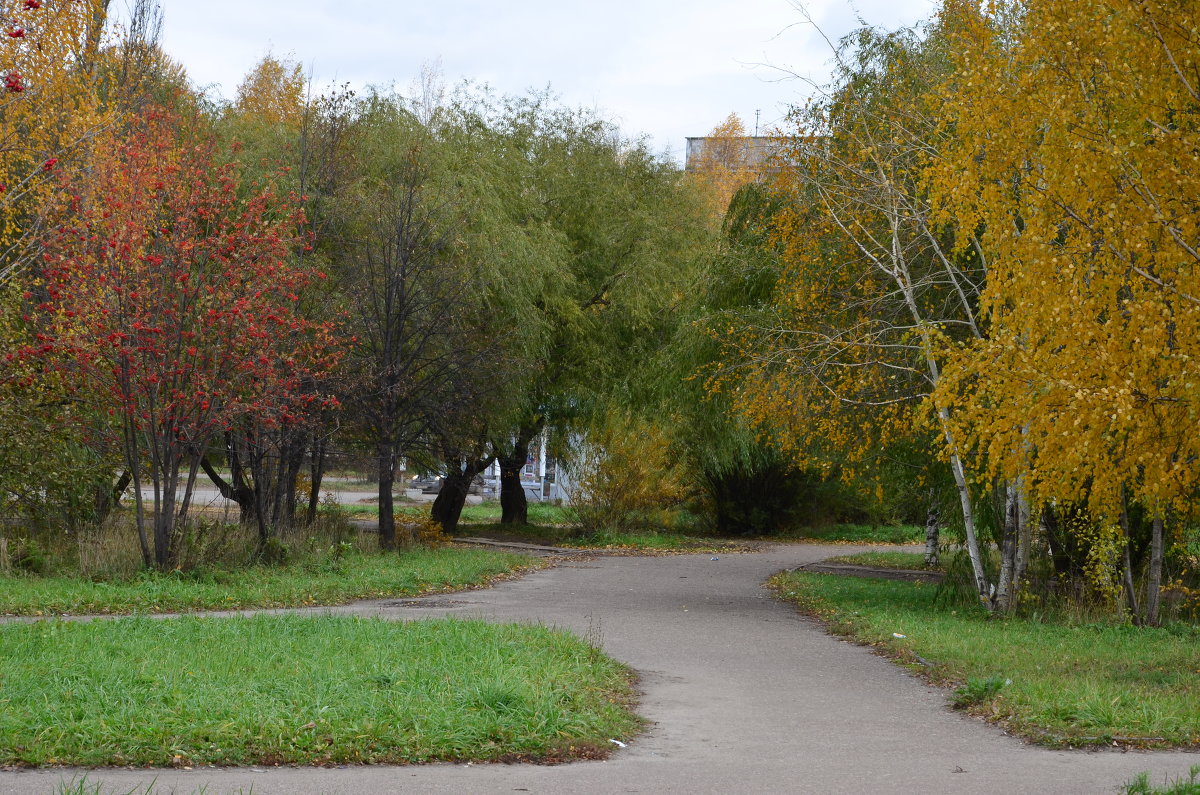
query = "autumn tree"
x=273 y=92
x=49 y=109
x=872 y=285
x=1077 y=152
x=174 y=301
x=725 y=160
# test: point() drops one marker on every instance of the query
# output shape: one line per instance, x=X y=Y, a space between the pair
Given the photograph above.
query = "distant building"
x=748 y=152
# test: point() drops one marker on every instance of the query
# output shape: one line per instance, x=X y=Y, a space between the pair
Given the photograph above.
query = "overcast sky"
x=660 y=68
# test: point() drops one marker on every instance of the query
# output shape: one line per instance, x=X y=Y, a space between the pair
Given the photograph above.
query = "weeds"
x=1179 y=786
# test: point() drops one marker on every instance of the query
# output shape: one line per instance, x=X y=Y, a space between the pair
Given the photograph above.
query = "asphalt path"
x=742 y=695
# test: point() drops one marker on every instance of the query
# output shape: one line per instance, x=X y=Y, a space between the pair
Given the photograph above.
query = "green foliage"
x=977 y=691
x=302 y=690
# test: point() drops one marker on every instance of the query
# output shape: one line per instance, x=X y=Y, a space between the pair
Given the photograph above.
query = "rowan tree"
x=175 y=301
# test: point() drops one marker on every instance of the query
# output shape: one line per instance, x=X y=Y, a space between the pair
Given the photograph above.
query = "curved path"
x=743 y=695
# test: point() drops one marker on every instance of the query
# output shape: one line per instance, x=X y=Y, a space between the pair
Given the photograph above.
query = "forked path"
x=743 y=695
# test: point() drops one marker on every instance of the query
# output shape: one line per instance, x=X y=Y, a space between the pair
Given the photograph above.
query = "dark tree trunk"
x=1131 y=598
x=108 y=497
x=238 y=491
x=514 y=507
x=447 y=507
x=1154 y=575
x=387 y=510
x=1060 y=556
x=291 y=458
x=316 y=473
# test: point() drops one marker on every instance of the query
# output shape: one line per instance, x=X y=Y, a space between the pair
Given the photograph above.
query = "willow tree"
x=611 y=235
x=1078 y=150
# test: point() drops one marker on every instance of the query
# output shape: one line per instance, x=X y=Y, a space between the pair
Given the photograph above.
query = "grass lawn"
x=909 y=561
x=323 y=581
x=306 y=690
x=1060 y=684
x=649 y=540
x=859 y=534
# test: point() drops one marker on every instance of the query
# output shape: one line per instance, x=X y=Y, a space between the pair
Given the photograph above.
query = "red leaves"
x=50 y=164
x=17 y=33
x=32 y=4
x=12 y=82
x=176 y=296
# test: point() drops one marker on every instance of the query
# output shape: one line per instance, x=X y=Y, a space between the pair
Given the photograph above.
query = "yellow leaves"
x=273 y=92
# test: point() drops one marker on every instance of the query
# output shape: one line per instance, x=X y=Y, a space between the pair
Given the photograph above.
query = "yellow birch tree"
x=1078 y=153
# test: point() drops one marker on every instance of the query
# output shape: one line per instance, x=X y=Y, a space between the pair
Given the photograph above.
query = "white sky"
x=659 y=68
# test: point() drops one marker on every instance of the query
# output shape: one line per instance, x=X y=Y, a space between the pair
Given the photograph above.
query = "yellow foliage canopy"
x=273 y=92
x=725 y=163
x=1078 y=151
x=49 y=108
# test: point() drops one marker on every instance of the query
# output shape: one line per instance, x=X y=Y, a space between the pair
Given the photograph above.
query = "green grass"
x=335 y=579
x=305 y=690
x=633 y=540
x=909 y=561
x=540 y=513
x=1179 y=786
x=861 y=534
x=1056 y=683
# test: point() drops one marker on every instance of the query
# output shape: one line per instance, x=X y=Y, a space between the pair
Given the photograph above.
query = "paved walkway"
x=743 y=695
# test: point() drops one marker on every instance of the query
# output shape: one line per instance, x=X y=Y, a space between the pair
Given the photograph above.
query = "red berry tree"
x=173 y=295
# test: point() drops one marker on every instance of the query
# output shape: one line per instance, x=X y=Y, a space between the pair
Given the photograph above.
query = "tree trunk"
x=1154 y=575
x=387 y=510
x=164 y=517
x=316 y=473
x=1060 y=556
x=1025 y=536
x=982 y=586
x=514 y=507
x=932 y=533
x=109 y=496
x=239 y=493
x=1131 y=598
x=1005 y=598
x=133 y=459
x=447 y=507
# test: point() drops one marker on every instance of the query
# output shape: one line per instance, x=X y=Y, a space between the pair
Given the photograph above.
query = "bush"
x=625 y=474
